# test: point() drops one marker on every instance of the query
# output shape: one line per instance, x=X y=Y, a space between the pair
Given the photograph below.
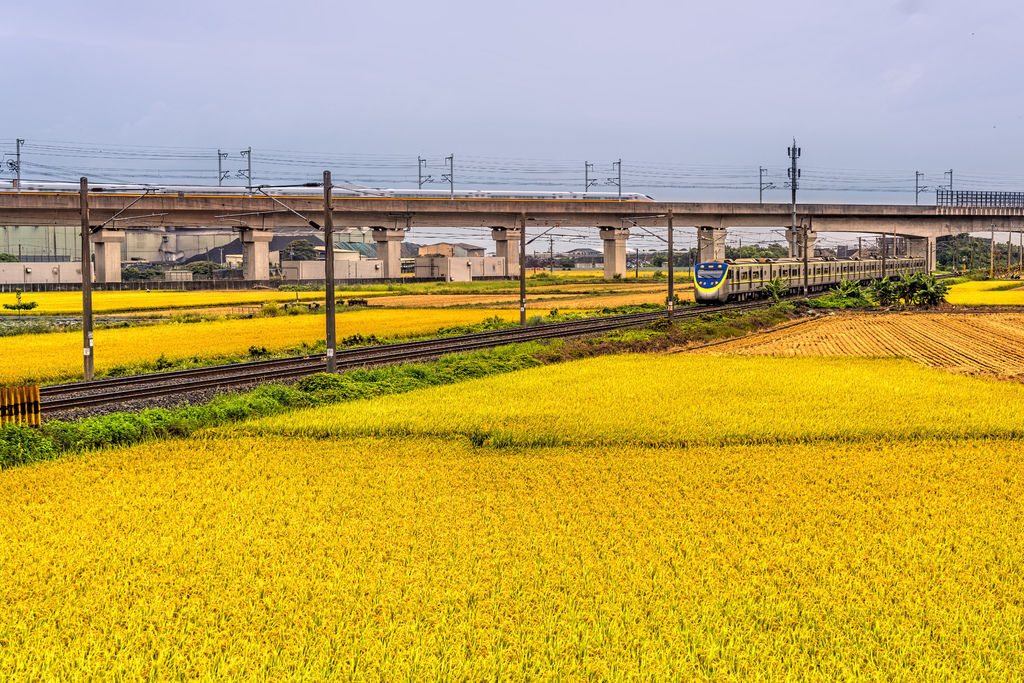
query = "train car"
x=312 y=190
x=716 y=282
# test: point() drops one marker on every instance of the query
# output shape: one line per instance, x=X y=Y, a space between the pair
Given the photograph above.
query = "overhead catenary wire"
x=109 y=162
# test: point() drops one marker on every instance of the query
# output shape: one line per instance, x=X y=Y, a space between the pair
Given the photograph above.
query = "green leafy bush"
x=884 y=292
x=775 y=289
x=847 y=294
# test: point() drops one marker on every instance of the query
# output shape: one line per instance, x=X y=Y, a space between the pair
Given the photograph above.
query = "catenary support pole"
x=522 y=269
x=17 y=160
x=882 y=252
x=671 y=268
x=332 y=362
x=992 y=255
x=806 y=230
x=87 y=345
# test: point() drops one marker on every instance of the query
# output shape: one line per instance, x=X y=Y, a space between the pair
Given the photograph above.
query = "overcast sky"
x=867 y=85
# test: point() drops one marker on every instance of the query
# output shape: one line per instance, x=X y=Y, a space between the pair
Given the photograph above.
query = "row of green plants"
x=22 y=445
x=917 y=289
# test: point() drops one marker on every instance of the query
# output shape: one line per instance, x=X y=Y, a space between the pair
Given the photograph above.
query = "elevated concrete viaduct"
x=256 y=216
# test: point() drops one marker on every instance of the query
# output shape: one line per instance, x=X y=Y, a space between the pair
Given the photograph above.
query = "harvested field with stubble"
x=985 y=344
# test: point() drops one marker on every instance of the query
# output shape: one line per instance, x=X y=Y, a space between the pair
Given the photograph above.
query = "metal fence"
x=968 y=198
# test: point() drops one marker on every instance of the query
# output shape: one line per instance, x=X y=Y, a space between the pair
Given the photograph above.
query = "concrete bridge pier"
x=710 y=244
x=389 y=250
x=614 y=251
x=922 y=247
x=506 y=245
x=256 y=254
x=107 y=244
x=796 y=242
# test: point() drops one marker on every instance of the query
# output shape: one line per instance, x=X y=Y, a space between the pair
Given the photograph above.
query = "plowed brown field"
x=991 y=345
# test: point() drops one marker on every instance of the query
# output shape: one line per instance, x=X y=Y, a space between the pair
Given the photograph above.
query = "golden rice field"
x=692 y=517
x=987 y=293
x=534 y=300
x=990 y=344
x=70 y=303
x=695 y=401
x=168 y=302
x=56 y=356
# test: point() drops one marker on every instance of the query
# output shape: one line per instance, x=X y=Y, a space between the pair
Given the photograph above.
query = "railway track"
x=112 y=390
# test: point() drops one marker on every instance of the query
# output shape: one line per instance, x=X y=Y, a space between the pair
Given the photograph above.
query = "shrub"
x=775 y=289
x=884 y=292
x=847 y=294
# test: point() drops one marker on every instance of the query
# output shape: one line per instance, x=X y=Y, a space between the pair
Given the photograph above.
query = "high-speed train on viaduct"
x=716 y=282
x=312 y=190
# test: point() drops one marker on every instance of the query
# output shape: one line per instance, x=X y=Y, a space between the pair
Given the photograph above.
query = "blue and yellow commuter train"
x=716 y=282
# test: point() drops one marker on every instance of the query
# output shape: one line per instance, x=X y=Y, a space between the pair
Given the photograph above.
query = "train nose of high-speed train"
x=709 y=282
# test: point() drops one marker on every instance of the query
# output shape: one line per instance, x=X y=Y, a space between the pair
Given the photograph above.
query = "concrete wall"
x=344 y=269
x=460 y=268
x=65 y=241
x=44 y=272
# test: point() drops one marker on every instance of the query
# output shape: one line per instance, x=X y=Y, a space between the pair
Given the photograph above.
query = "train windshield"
x=710 y=272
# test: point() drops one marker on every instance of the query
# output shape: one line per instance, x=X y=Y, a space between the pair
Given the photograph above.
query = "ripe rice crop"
x=70 y=303
x=984 y=344
x=383 y=558
x=542 y=298
x=683 y=400
x=166 y=302
x=55 y=356
x=987 y=293
x=653 y=517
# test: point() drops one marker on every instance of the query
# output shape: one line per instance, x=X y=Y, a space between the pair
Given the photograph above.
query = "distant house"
x=451 y=249
x=232 y=251
x=586 y=257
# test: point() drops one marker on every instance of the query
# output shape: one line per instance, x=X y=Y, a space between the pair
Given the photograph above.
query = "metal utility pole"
x=918 y=188
x=1009 y=251
x=762 y=185
x=87 y=345
x=221 y=175
x=18 y=142
x=618 y=179
x=793 y=172
x=1020 y=252
x=247 y=153
x=992 y=254
x=332 y=362
x=638 y=263
x=587 y=182
x=522 y=269
x=860 y=247
x=450 y=176
x=950 y=174
x=671 y=267
x=806 y=236
x=551 y=254
x=883 y=250
x=421 y=164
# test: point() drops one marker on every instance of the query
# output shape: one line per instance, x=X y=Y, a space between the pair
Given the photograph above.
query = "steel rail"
x=75 y=395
